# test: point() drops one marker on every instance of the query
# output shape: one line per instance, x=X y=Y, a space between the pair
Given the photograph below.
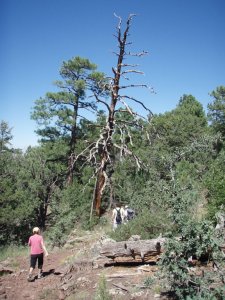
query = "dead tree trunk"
x=126 y=252
x=99 y=188
x=105 y=147
x=103 y=176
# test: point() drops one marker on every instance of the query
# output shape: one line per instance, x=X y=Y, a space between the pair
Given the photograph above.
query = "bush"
x=147 y=224
x=102 y=292
x=72 y=206
x=197 y=239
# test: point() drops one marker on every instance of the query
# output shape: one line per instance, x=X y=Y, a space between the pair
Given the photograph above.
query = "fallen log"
x=133 y=251
x=127 y=252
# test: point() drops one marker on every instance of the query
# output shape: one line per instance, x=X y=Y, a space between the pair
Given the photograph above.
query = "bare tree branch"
x=130 y=65
x=134 y=86
x=133 y=71
x=126 y=151
x=137 y=101
x=138 y=54
x=102 y=101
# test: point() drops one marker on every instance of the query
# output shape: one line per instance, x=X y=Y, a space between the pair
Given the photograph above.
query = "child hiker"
x=37 y=252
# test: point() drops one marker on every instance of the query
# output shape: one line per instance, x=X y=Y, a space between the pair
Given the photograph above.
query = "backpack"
x=130 y=214
x=118 y=216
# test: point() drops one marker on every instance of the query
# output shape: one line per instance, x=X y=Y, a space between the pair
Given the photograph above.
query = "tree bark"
x=100 y=184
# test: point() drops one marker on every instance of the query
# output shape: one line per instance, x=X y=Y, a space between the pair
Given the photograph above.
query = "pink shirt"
x=35 y=242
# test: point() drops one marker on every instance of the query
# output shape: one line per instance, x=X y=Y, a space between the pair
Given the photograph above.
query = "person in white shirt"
x=117 y=216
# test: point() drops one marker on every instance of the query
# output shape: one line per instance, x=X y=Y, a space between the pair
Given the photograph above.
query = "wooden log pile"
x=131 y=251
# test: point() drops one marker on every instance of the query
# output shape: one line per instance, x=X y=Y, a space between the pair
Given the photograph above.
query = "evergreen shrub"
x=198 y=239
x=147 y=224
x=102 y=292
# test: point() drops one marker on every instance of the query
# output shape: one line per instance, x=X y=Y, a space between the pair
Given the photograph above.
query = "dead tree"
x=105 y=146
x=131 y=251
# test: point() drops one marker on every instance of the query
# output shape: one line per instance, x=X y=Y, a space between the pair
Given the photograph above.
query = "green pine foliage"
x=102 y=292
x=214 y=183
x=197 y=239
x=172 y=176
x=147 y=224
x=216 y=110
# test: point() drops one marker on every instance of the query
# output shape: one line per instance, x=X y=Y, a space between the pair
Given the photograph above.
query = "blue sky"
x=185 y=40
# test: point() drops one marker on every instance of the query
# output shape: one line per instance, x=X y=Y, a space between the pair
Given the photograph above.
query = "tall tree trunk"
x=106 y=164
x=111 y=197
x=70 y=169
x=100 y=185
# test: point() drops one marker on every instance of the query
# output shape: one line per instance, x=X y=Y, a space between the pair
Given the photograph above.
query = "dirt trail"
x=15 y=285
x=69 y=274
x=79 y=283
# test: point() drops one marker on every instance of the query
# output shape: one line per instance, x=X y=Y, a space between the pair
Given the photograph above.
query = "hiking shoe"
x=40 y=275
x=30 y=278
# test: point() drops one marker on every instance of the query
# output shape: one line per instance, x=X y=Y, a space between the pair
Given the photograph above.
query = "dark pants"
x=36 y=257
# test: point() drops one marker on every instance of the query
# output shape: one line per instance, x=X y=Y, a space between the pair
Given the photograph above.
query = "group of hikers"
x=121 y=215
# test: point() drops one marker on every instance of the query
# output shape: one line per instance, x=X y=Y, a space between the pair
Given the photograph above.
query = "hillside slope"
x=70 y=274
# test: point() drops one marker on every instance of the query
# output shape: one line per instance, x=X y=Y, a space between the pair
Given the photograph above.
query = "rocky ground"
x=69 y=273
